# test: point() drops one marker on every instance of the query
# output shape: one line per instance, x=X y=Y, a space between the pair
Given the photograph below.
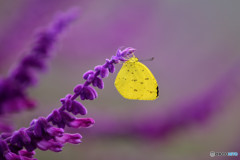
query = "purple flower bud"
x=116 y=59
x=85 y=75
x=33 y=144
x=16 y=104
x=25 y=153
x=53 y=131
x=77 y=90
x=55 y=117
x=13 y=156
x=34 y=62
x=111 y=68
x=24 y=77
x=109 y=65
x=78 y=108
x=16 y=139
x=70 y=138
x=40 y=127
x=98 y=82
x=104 y=72
x=98 y=68
x=88 y=93
x=81 y=122
x=67 y=102
x=125 y=52
x=90 y=78
x=50 y=145
x=24 y=136
x=3 y=148
x=67 y=117
x=5 y=135
x=44 y=43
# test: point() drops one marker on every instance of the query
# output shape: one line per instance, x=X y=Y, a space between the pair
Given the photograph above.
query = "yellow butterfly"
x=135 y=81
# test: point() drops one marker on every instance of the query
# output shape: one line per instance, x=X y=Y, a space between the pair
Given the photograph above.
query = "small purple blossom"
x=13 y=96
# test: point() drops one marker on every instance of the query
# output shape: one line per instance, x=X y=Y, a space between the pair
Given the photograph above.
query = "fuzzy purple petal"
x=98 y=82
x=70 y=138
x=50 y=145
x=77 y=89
x=82 y=122
x=86 y=74
x=104 y=72
x=78 y=108
x=53 y=131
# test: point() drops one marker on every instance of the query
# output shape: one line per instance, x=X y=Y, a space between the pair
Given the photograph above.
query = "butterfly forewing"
x=135 y=81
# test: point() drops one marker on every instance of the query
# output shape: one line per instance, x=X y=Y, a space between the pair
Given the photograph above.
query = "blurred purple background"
x=197 y=55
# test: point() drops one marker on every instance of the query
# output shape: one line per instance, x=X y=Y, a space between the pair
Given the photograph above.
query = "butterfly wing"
x=135 y=81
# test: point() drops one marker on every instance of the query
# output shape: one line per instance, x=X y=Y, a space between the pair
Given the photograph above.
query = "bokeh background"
x=197 y=57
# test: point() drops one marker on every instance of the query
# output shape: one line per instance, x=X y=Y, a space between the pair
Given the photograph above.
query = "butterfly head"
x=133 y=59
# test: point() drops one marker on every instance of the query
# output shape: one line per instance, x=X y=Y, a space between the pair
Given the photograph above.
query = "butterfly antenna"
x=149 y=59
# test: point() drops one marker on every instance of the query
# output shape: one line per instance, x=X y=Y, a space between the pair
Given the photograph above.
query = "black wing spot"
x=135 y=90
x=157 y=92
x=132 y=73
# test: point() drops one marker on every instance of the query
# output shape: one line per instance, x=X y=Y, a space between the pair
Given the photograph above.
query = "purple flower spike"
x=14 y=86
x=48 y=133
